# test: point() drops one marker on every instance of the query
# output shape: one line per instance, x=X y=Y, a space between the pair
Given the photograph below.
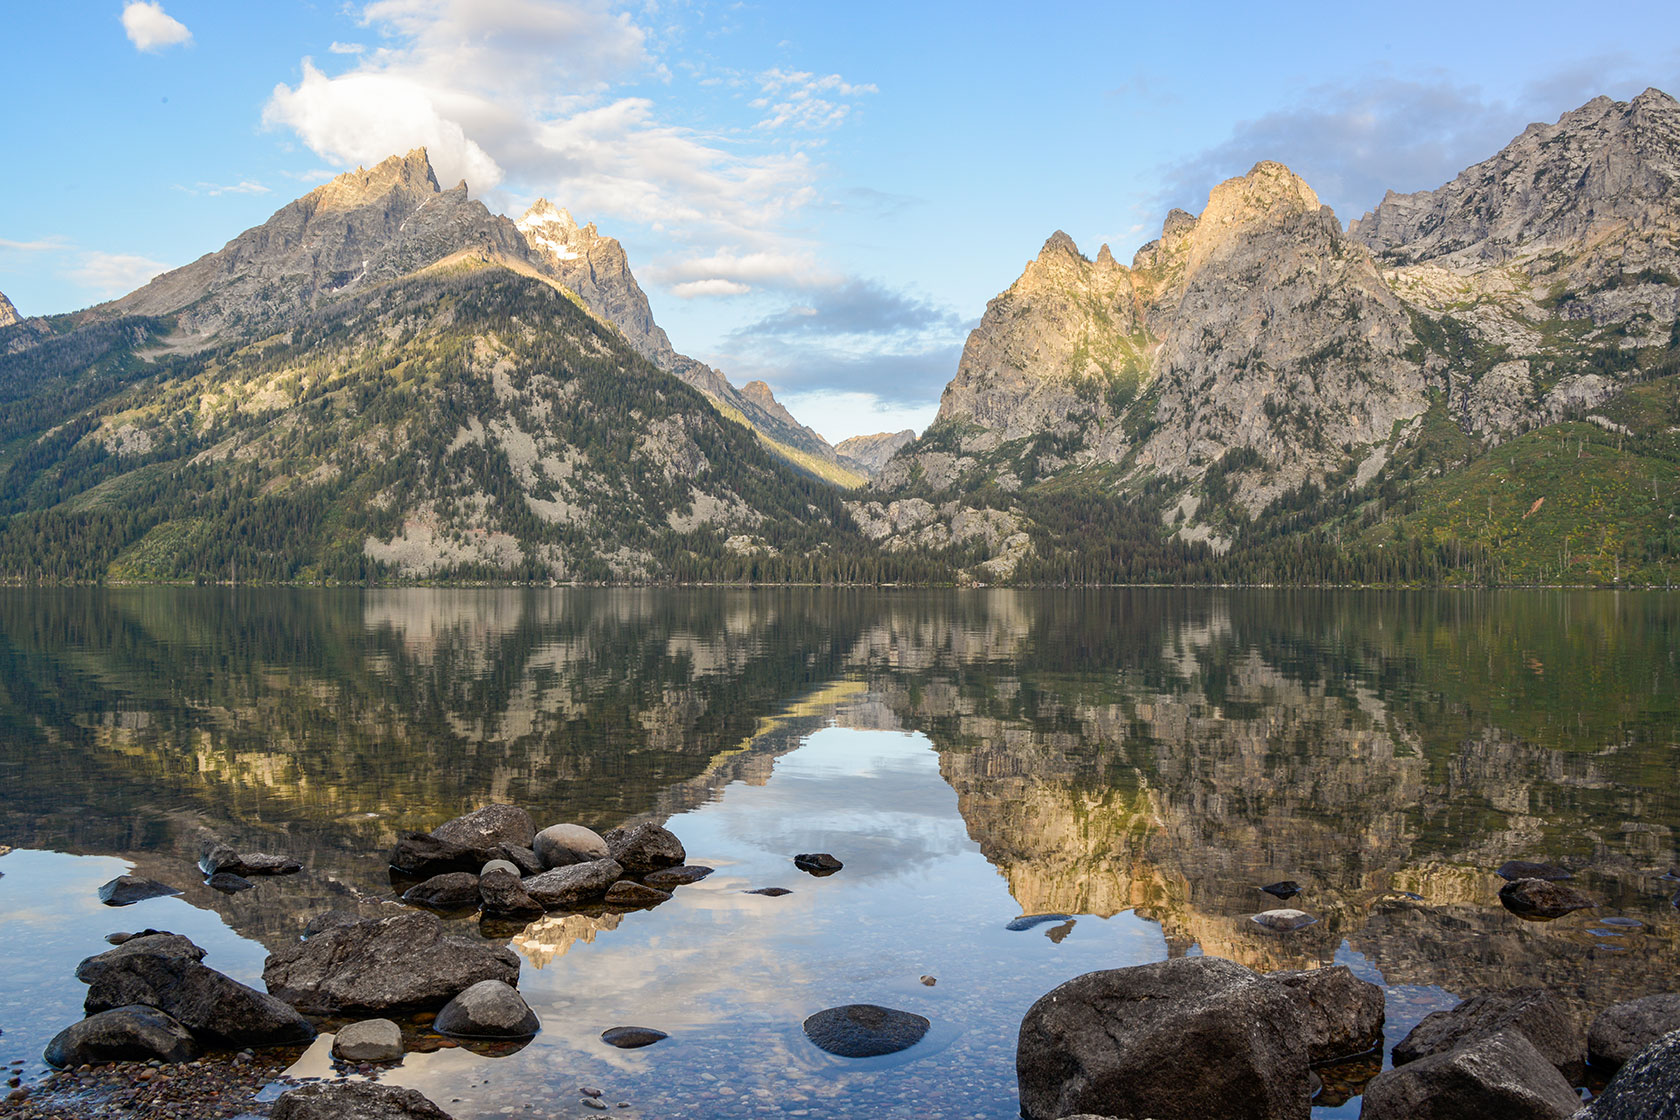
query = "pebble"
x=594 y=1102
x=589 y=1090
x=930 y=981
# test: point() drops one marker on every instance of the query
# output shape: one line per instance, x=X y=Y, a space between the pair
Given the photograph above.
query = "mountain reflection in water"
x=1129 y=754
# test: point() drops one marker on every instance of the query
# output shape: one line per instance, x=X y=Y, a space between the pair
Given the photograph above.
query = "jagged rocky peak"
x=552 y=230
x=409 y=174
x=8 y=313
x=870 y=453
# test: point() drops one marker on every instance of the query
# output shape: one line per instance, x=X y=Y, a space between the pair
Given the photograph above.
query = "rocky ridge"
x=871 y=453
x=8 y=313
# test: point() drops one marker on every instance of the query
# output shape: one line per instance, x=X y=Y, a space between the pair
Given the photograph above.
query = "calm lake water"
x=1137 y=760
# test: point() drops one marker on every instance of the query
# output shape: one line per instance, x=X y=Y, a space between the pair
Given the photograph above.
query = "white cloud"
x=789 y=268
x=150 y=28
x=113 y=274
x=40 y=245
x=841 y=414
x=797 y=99
x=213 y=190
x=346 y=48
x=716 y=286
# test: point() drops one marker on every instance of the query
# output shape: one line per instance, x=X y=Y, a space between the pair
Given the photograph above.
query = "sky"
x=821 y=196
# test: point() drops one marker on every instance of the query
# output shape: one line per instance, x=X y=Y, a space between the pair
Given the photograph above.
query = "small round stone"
x=631 y=1038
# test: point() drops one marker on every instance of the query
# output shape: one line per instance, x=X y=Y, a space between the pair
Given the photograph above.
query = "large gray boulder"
x=123 y=1034
x=371 y=1040
x=575 y=884
x=383 y=964
x=1344 y=1014
x=1182 y=1039
x=354 y=1100
x=164 y=971
x=561 y=845
x=1498 y=1076
x=645 y=847
x=1646 y=1088
x=489 y=827
x=1539 y=1015
x=1622 y=1031
x=488 y=1009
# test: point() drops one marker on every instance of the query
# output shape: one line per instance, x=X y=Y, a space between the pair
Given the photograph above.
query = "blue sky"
x=823 y=196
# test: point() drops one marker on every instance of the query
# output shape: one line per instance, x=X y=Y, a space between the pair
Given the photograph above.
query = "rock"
x=1539 y=1015
x=626 y=893
x=450 y=891
x=864 y=1030
x=631 y=1038
x=645 y=847
x=501 y=894
x=671 y=877
x=488 y=1009
x=522 y=858
x=135 y=1033
x=224 y=858
x=423 y=855
x=371 y=1040
x=1100 y=1043
x=1647 y=1087
x=383 y=964
x=489 y=827
x=1344 y=1014
x=562 y=845
x=120 y=938
x=501 y=865
x=1501 y=1075
x=330 y=919
x=354 y=1100
x=228 y=883
x=1286 y=889
x=126 y=890
x=593 y=1102
x=1541 y=900
x=1515 y=869
x=1028 y=921
x=1284 y=921
x=164 y=971
x=574 y=883
x=770 y=892
x=930 y=981
x=817 y=863
x=1622 y=1031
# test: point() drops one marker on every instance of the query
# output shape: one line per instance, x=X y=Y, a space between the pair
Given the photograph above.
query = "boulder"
x=573 y=884
x=371 y=1040
x=354 y=1100
x=1181 y=1039
x=672 y=877
x=489 y=827
x=1622 y=1031
x=1541 y=900
x=126 y=890
x=1344 y=1014
x=561 y=845
x=164 y=971
x=817 y=863
x=631 y=1038
x=1522 y=869
x=423 y=855
x=228 y=883
x=449 y=891
x=488 y=1009
x=1284 y=921
x=645 y=847
x=630 y=894
x=1647 y=1087
x=864 y=1030
x=383 y=964
x=330 y=919
x=123 y=1034
x=1501 y=1075
x=224 y=858
x=502 y=895
x=1535 y=1013
x=522 y=858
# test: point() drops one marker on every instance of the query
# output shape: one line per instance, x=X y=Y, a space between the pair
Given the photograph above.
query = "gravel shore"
x=213 y=1088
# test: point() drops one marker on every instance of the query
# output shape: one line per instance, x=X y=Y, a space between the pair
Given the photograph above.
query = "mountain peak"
x=1058 y=242
x=545 y=213
x=411 y=173
x=8 y=313
x=1268 y=187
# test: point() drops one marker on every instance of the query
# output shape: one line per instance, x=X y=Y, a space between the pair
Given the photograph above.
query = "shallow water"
x=1139 y=760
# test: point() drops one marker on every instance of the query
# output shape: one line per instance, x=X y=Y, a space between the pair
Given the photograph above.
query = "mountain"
x=871 y=453
x=8 y=313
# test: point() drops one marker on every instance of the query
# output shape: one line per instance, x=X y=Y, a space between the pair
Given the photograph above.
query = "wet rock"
x=629 y=894
x=1541 y=900
x=423 y=855
x=126 y=890
x=122 y=938
x=1514 y=869
x=489 y=827
x=573 y=884
x=769 y=892
x=354 y=1100
x=488 y=1009
x=817 y=863
x=1344 y=1014
x=450 y=891
x=1284 y=921
x=224 y=858
x=631 y=1038
x=135 y=1033
x=865 y=1030
x=1501 y=1075
x=501 y=894
x=1622 y=1031
x=1030 y=921
x=1543 y=1018
x=645 y=847
x=673 y=877
x=371 y=1040
x=1099 y=1043
x=562 y=845
x=228 y=883
x=1647 y=1087
x=1285 y=890
x=164 y=971
x=385 y=964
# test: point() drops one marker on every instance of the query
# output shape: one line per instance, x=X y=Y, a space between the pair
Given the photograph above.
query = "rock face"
x=1622 y=1031
x=1500 y=1075
x=865 y=1030
x=1234 y=1045
x=645 y=847
x=8 y=313
x=870 y=453
x=578 y=883
x=1344 y=1014
x=488 y=1009
x=124 y=1034
x=355 y=1100
x=387 y=964
x=561 y=845
x=1646 y=1088
x=371 y=1040
x=1544 y=1019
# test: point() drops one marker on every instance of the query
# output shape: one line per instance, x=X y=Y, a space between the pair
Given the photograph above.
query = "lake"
x=1140 y=761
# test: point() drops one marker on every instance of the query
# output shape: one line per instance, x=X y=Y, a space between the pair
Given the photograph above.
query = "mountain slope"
x=8 y=313
x=871 y=453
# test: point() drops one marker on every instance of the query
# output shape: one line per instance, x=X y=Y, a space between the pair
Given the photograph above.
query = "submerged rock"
x=1541 y=899
x=1622 y=1031
x=1542 y=1017
x=672 y=877
x=631 y=1038
x=562 y=845
x=371 y=1040
x=354 y=1100
x=1522 y=869
x=817 y=863
x=126 y=890
x=488 y=1009
x=865 y=1030
x=573 y=884
x=1284 y=921
x=136 y=1033
x=1501 y=1075
x=645 y=847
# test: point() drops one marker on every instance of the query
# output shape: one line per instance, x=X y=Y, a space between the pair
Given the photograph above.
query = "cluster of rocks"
x=1245 y=1046
x=225 y=870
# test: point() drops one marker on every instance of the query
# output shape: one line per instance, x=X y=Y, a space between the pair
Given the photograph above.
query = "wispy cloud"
x=113 y=274
x=694 y=289
x=346 y=48
x=40 y=245
x=212 y=190
x=150 y=28
x=797 y=99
